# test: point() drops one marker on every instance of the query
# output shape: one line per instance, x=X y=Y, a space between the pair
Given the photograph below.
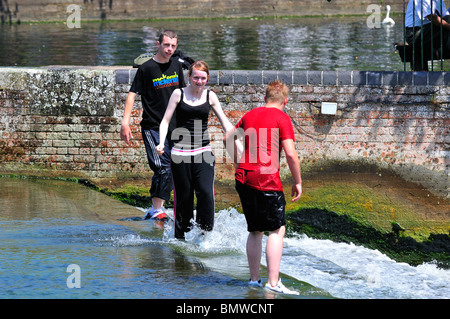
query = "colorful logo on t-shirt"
x=166 y=81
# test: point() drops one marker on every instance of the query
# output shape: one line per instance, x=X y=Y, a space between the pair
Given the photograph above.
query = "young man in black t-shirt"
x=155 y=81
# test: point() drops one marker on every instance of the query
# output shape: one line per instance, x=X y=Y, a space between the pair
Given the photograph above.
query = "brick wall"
x=66 y=122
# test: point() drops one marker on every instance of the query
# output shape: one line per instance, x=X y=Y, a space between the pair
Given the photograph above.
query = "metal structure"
x=410 y=49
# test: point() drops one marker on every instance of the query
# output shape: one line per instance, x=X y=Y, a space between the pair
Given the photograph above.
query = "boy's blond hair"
x=276 y=92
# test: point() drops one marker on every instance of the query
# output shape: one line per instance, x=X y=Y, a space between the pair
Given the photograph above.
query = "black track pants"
x=193 y=174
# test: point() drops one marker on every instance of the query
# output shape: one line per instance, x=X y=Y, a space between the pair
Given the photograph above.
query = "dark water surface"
x=328 y=43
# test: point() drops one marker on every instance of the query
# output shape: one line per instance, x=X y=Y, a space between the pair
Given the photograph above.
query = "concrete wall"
x=66 y=121
x=56 y=10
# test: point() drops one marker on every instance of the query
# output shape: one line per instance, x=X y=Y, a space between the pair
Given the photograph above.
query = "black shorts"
x=263 y=210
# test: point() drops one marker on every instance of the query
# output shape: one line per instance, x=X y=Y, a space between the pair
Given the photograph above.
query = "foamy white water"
x=343 y=270
x=350 y=271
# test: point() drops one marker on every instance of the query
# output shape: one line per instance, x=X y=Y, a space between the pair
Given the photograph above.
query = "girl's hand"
x=160 y=149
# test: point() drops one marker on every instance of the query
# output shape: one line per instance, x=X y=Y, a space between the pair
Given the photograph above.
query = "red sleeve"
x=241 y=122
x=286 y=128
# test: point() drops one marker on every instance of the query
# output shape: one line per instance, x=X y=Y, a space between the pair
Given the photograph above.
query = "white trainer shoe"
x=255 y=283
x=156 y=214
x=280 y=288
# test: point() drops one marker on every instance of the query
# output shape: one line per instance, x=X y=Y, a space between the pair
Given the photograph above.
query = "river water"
x=55 y=235
x=307 y=43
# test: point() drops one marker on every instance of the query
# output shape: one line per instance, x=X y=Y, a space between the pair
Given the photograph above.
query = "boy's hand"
x=296 y=191
x=125 y=133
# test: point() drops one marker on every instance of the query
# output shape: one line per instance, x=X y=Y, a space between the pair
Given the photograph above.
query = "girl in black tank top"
x=195 y=120
x=192 y=158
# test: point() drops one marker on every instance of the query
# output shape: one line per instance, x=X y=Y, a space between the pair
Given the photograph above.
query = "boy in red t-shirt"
x=266 y=131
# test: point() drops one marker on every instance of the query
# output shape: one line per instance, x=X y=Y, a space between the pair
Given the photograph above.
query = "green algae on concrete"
x=324 y=224
x=138 y=195
x=371 y=207
x=356 y=213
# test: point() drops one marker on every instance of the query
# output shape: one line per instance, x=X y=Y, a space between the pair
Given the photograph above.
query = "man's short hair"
x=168 y=33
x=276 y=92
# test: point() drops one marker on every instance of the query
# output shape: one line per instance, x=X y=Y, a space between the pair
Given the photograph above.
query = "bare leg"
x=157 y=202
x=254 y=251
x=274 y=251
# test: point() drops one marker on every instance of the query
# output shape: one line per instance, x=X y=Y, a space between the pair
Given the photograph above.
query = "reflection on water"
x=328 y=43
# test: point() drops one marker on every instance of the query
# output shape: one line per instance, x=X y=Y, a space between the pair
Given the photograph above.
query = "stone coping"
x=321 y=78
x=125 y=75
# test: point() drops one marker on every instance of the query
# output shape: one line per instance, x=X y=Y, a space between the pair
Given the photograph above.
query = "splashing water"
x=343 y=270
x=229 y=234
x=350 y=271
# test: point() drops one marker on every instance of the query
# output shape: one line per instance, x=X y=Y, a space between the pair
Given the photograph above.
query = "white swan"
x=388 y=20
